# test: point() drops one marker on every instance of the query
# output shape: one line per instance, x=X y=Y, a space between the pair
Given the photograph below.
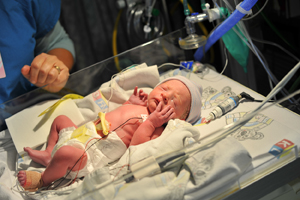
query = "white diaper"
x=99 y=151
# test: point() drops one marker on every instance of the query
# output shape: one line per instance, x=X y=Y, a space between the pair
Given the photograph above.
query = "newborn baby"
x=71 y=149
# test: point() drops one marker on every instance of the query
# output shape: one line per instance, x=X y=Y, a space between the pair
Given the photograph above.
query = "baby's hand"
x=161 y=116
x=138 y=98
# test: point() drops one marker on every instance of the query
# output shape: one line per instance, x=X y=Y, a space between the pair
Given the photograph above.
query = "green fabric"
x=236 y=47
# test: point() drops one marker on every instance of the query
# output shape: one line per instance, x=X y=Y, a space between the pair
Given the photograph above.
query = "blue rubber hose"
x=232 y=20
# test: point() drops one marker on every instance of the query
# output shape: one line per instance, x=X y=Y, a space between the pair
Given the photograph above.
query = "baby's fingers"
x=159 y=107
x=166 y=110
x=170 y=114
x=141 y=92
x=145 y=98
x=135 y=90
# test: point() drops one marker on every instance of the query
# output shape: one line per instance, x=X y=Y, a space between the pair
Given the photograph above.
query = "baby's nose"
x=165 y=98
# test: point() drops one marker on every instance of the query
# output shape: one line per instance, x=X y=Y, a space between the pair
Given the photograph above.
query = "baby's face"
x=173 y=93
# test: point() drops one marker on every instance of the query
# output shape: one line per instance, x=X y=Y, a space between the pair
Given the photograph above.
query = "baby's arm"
x=149 y=129
x=138 y=98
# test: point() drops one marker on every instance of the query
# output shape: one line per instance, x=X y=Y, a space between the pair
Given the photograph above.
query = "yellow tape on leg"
x=105 y=125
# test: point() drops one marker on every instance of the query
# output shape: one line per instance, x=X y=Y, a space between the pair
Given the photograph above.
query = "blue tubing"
x=232 y=20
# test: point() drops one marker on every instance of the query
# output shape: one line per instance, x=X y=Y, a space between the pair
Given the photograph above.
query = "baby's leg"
x=64 y=159
x=44 y=157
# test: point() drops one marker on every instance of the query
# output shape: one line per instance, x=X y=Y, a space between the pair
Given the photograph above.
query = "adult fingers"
x=35 y=66
x=59 y=82
x=48 y=69
x=52 y=75
x=26 y=71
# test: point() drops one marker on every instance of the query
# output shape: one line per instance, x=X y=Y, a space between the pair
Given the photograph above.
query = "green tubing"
x=186 y=8
x=203 y=4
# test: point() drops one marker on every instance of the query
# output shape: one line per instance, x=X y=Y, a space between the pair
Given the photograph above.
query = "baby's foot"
x=30 y=180
x=41 y=157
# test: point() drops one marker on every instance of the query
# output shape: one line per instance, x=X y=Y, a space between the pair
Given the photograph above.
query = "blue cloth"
x=22 y=22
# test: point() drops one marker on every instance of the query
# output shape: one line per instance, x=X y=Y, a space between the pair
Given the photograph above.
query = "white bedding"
x=214 y=172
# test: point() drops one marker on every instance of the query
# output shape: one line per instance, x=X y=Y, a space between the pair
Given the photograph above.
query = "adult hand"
x=43 y=72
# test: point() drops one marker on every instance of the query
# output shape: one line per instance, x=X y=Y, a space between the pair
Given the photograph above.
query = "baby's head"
x=180 y=93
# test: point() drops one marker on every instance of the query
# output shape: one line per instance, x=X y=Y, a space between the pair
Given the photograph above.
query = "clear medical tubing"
x=234 y=18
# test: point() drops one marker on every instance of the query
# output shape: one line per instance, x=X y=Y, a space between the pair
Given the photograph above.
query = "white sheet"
x=29 y=130
x=8 y=156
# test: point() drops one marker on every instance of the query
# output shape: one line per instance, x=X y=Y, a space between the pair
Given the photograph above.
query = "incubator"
x=232 y=157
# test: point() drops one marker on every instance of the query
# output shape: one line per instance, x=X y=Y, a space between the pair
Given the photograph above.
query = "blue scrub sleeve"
x=56 y=38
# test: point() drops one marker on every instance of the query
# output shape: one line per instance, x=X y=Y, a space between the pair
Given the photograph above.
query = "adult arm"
x=55 y=49
x=57 y=42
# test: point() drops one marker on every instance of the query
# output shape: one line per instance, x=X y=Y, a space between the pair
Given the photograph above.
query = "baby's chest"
x=128 y=117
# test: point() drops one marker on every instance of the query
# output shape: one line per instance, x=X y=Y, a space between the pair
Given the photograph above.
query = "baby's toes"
x=22 y=177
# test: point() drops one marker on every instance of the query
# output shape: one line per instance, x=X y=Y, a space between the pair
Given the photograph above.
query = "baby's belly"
x=125 y=120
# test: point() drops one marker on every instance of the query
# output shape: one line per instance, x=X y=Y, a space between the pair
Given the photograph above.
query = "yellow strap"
x=68 y=96
x=104 y=125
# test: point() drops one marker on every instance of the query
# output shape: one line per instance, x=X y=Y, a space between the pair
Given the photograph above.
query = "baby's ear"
x=185 y=115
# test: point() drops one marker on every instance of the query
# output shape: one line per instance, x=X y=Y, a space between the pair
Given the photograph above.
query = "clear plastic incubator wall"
x=231 y=156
